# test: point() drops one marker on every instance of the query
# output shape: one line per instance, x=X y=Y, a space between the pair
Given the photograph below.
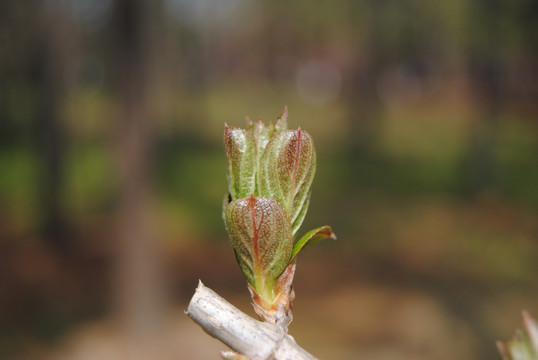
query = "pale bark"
x=255 y=339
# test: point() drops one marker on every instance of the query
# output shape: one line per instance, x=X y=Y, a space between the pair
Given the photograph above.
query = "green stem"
x=263 y=289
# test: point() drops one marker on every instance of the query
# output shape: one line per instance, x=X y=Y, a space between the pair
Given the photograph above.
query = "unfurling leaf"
x=263 y=133
x=241 y=154
x=244 y=149
x=260 y=232
x=312 y=237
x=286 y=171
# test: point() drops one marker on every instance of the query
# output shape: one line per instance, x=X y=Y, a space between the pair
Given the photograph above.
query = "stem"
x=263 y=289
x=255 y=339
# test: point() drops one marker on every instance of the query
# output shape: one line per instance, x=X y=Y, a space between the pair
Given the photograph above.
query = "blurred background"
x=112 y=171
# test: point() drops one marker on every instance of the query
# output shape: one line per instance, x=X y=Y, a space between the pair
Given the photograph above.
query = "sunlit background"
x=112 y=171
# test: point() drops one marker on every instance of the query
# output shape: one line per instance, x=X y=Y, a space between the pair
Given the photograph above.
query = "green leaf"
x=262 y=133
x=260 y=232
x=241 y=153
x=244 y=149
x=286 y=172
x=312 y=237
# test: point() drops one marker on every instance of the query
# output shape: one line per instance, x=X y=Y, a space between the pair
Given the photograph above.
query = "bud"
x=524 y=345
x=286 y=171
x=270 y=172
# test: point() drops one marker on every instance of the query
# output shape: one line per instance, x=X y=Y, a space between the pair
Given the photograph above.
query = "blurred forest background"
x=112 y=171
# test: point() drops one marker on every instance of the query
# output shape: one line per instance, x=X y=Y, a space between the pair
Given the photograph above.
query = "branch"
x=255 y=339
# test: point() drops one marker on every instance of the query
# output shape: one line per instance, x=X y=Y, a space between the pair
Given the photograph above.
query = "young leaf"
x=312 y=237
x=260 y=231
x=262 y=133
x=532 y=330
x=524 y=344
x=286 y=171
x=244 y=149
x=241 y=154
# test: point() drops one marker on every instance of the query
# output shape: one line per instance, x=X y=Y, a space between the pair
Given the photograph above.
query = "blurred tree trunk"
x=485 y=75
x=139 y=282
x=51 y=46
x=363 y=105
x=363 y=102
